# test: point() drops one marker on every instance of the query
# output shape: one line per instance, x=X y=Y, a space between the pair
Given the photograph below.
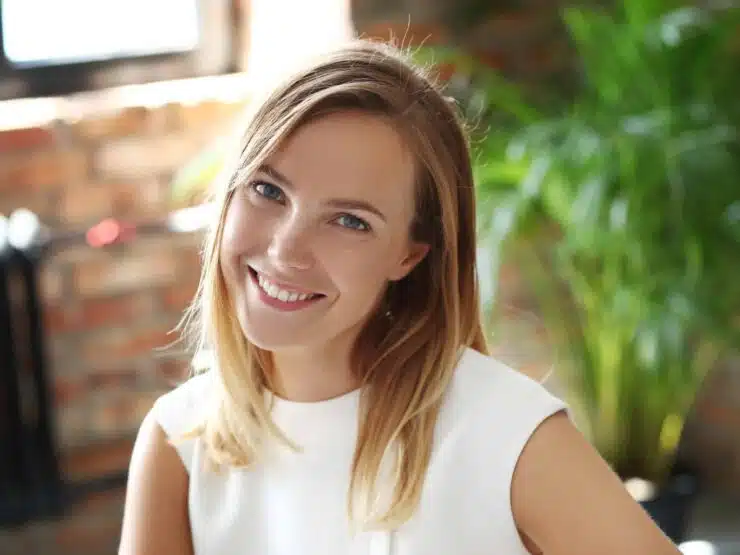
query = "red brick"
x=543 y=59
x=718 y=415
x=189 y=266
x=83 y=536
x=45 y=204
x=62 y=353
x=111 y=379
x=60 y=319
x=135 y=271
x=108 y=502
x=68 y=391
x=189 y=260
x=25 y=139
x=42 y=169
x=55 y=319
x=85 y=204
x=118 y=345
x=96 y=459
x=178 y=297
x=514 y=27
x=128 y=121
x=207 y=114
x=72 y=424
x=51 y=283
x=144 y=157
x=491 y=59
x=120 y=414
x=145 y=342
x=140 y=199
x=94 y=313
x=114 y=311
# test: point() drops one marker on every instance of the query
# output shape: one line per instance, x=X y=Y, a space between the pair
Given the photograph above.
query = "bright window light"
x=52 y=32
x=283 y=32
x=697 y=547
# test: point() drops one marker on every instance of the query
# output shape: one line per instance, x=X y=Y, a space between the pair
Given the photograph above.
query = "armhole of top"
x=543 y=405
x=513 y=405
x=177 y=412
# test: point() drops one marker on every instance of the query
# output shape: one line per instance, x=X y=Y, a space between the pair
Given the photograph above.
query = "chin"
x=286 y=331
x=275 y=339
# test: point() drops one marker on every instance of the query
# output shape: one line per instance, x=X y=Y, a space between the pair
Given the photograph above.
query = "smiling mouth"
x=281 y=294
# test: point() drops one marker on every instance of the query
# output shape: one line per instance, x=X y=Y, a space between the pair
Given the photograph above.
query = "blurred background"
x=607 y=166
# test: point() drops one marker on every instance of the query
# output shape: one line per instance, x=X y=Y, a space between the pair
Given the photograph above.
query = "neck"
x=312 y=374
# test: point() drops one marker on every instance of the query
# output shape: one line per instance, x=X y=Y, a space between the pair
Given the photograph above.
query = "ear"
x=415 y=254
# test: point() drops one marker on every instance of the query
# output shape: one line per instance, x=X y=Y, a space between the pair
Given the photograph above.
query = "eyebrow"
x=272 y=172
x=344 y=204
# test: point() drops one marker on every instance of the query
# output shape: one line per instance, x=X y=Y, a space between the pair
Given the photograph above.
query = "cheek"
x=358 y=266
x=243 y=229
x=238 y=238
x=234 y=224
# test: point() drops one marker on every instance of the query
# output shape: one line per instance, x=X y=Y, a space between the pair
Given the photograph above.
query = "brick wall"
x=109 y=311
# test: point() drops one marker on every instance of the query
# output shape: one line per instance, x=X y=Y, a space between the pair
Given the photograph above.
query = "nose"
x=290 y=247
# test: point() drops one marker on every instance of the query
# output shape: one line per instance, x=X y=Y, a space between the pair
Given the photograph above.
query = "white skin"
x=330 y=214
x=565 y=499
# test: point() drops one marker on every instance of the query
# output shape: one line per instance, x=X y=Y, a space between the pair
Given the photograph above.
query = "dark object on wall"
x=30 y=483
x=32 y=486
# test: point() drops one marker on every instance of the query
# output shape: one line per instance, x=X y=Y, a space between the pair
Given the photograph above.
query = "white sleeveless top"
x=295 y=502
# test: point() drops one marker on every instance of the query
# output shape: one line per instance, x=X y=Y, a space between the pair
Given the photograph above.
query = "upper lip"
x=284 y=284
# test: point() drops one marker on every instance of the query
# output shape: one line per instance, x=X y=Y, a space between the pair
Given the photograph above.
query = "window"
x=283 y=32
x=50 y=47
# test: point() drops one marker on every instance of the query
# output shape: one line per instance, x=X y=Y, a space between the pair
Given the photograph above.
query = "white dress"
x=295 y=502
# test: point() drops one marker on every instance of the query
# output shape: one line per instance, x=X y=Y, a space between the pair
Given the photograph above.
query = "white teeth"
x=276 y=293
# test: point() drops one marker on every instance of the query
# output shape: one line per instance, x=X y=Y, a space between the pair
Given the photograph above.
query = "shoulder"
x=183 y=405
x=492 y=410
x=182 y=409
x=156 y=494
x=485 y=384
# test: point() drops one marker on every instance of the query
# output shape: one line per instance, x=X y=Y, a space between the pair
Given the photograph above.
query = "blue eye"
x=353 y=222
x=268 y=190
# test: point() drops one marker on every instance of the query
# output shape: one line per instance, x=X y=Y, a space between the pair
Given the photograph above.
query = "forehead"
x=347 y=154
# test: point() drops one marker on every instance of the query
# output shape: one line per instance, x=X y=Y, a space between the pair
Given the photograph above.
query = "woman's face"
x=311 y=240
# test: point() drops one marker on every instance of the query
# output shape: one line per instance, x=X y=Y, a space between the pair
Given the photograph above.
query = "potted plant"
x=621 y=207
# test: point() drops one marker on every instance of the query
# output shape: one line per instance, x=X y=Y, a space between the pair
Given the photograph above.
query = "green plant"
x=622 y=206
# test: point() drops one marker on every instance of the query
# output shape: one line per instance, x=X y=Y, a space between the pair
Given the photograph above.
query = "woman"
x=352 y=407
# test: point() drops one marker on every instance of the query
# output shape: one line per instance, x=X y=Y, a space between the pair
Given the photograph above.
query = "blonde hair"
x=406 y=363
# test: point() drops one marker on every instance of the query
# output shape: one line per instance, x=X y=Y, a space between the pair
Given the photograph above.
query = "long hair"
x=404 y=363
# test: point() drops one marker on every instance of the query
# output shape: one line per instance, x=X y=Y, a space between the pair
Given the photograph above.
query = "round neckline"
x=283 y=400
x=287 y=406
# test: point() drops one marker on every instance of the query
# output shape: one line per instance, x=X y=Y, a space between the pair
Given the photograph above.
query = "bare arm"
x=155 y=517
x=567 y=501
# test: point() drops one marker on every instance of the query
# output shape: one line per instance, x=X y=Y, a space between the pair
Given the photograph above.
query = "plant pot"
x=672 y=504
